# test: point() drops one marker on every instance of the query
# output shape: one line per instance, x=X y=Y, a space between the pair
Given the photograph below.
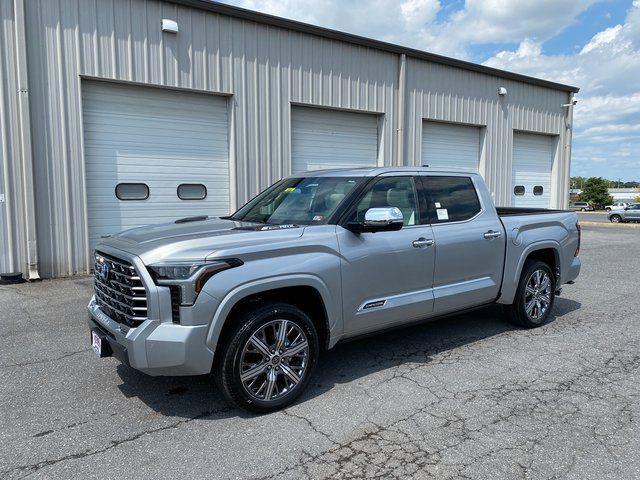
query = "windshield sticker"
x=318 y=218
x=289 y=189
x=438 y=205
x=443 y=214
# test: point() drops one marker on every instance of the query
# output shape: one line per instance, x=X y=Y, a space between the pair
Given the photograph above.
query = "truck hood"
x=198 y=240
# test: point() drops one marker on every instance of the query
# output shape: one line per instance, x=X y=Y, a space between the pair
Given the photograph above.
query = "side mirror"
x=386 y=219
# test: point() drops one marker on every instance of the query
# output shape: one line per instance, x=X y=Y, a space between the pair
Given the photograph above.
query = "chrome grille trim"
x=121 y=295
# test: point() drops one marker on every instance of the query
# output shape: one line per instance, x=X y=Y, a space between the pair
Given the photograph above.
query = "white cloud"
x=413 y=22
x=603 y=38
x=606 y=68
x=607 y=117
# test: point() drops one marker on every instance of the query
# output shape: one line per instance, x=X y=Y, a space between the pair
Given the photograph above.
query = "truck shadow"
x=197 y=397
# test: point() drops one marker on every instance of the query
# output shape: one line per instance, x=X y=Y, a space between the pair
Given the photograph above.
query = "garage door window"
x=192 y=191
x=518 y=190
x=132 y=191
x=452 y=199
x=538 y=190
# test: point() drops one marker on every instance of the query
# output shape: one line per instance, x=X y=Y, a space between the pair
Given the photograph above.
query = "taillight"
x=579 y=238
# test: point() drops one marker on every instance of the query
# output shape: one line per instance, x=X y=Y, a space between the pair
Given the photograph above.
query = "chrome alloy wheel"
x=274 y=360
x=537 y=297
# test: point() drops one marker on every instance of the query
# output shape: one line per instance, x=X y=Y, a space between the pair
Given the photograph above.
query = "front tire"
x=616 y=219
x=534 y=297
x=267 y=360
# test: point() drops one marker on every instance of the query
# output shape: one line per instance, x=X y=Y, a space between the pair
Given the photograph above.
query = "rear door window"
x=451 y=199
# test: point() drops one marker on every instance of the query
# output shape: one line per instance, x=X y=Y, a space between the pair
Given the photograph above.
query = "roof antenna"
x=425 y=165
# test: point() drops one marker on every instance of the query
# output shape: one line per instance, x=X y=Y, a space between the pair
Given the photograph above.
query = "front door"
x=469 y=243
x=387 y=277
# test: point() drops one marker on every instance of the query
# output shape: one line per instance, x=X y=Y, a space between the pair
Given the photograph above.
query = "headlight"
x=190 y=277
x=176 y=271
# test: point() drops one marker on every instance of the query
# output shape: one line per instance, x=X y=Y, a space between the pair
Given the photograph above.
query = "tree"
x=595 y=192
x=637 y=199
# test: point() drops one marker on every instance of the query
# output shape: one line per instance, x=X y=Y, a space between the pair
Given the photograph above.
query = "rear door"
x=469 y=243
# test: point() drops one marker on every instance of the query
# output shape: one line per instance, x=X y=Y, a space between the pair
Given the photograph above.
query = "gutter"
x=30 y=263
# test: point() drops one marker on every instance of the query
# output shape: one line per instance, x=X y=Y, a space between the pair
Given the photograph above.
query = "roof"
x=375 y=171
x=237 y=12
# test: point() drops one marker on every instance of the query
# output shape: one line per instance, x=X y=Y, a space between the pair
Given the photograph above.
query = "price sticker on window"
x=442 y=213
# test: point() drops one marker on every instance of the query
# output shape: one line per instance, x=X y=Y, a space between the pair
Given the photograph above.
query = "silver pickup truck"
x=315 y=259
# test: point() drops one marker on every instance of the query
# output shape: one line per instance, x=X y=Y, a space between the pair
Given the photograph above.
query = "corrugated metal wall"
x=265 y=68
x=442 y=93
x=8 y=86
x=17 y=250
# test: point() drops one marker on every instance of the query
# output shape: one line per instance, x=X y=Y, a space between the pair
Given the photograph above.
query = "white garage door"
x=152 y=156
x=532 y=161
x=449 y=146
x=323 y=139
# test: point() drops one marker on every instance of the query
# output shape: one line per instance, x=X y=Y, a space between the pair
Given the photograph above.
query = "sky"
x=593 y=44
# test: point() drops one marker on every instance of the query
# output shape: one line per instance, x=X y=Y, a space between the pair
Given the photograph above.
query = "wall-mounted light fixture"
x=502 y=91
x=573 y=102
x=169 y=26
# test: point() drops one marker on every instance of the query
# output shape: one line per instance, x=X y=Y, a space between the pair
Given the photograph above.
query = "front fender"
x=334 y=316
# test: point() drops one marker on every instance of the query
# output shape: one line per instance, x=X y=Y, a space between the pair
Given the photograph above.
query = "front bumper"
x=155 y=347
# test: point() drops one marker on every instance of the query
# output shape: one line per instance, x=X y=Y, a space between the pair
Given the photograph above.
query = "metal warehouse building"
x=111 y=118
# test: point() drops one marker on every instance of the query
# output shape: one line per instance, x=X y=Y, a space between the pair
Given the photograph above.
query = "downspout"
x=400 y=102
x=564 y=192
x=26 y=159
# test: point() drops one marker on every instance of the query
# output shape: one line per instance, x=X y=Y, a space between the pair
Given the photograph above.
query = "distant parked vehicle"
x=581 y=206
x=630 y=213
x=616 y=206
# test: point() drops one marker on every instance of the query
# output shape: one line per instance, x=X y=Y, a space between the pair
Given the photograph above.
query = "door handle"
x=491 y=234
x=422 y=242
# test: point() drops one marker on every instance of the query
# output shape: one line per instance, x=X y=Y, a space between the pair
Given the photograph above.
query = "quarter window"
x=192 y=191
x=132 y=191
x=391 y=192
x=538 y=190
x=452 y=199
x=519 y=190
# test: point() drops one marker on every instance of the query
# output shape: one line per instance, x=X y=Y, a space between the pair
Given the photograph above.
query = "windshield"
x=306 y=201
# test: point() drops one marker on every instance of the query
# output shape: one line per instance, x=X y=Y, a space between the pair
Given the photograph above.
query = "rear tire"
x=582 y=209
x=534 y=297
x=266 y=361
x=615 y=219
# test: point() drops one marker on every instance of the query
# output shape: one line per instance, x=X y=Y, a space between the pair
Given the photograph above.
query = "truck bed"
x=509 y=211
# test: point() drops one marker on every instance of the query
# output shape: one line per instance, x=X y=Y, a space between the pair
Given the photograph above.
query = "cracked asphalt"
x=463 y=397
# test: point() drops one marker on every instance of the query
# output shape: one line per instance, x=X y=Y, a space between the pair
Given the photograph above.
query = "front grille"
x=119 y=290
x=175 y=303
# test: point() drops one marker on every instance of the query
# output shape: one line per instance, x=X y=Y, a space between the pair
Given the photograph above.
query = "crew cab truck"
x=315 y=259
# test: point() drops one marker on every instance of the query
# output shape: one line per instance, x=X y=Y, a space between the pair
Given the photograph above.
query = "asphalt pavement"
x=463 y=397
x=599 y=217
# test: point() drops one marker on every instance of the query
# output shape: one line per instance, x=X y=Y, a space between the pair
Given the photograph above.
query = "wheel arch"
x=303 y=291
x=547 y=251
